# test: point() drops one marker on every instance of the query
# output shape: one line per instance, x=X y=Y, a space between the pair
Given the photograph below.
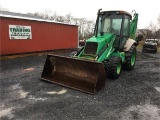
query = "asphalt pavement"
x=24 y=96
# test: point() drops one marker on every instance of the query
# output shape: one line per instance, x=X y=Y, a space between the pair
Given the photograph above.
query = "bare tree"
x=159 y=20
x=89 y=28
x=154 y=30
x=68 y=18
x=158 y=31
x=47 y=14
x=37 y=14
x=75 y=21
x=82 y=26
x=53 y=16
x=151 y=31
x=3 y=8
x=60 y=18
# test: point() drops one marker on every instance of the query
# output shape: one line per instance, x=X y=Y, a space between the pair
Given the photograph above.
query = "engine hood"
x=100 y=40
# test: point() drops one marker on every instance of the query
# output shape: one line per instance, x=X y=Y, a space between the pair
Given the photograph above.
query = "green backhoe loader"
x=112 y=48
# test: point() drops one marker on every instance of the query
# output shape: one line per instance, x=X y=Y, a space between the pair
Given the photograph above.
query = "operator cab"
x=114 y=22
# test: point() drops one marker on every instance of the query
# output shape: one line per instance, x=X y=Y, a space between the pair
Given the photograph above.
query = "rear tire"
x=114 y=67
x=130 y=58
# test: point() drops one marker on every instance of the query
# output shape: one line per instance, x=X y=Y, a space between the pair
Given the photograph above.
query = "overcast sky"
x=148 y=10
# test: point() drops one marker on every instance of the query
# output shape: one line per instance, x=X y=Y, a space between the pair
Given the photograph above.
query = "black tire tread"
x=127 y=64
x=112 y=67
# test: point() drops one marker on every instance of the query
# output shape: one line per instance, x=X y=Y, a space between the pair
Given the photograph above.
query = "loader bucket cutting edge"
x=86 y=76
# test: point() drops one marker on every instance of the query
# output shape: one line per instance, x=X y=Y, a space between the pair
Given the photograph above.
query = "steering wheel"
x=110 y=29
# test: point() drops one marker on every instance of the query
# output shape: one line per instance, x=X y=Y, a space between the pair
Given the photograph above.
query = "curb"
x=6 y=57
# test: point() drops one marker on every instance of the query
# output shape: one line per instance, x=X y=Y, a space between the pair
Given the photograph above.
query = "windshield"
x=109 y=23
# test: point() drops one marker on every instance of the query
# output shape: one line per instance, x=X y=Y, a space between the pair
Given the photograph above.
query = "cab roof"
x=116 y=12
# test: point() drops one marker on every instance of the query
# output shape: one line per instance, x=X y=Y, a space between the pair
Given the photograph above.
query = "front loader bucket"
x=86 y=76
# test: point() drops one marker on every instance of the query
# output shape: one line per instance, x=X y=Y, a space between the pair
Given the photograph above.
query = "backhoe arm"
x=133 y=26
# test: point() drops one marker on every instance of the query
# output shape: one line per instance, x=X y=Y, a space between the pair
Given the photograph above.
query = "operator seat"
x=122 y=43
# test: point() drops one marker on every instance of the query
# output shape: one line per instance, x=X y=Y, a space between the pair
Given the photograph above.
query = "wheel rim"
x=133 y=58
x=118 y=68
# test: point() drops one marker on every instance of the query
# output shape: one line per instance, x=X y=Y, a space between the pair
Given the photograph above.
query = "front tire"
x=114 y=67
x=130 y=58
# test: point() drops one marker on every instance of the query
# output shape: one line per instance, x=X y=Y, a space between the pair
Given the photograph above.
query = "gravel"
x=134 y=96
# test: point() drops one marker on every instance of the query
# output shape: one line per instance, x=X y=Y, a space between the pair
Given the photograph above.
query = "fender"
x=128 y=44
